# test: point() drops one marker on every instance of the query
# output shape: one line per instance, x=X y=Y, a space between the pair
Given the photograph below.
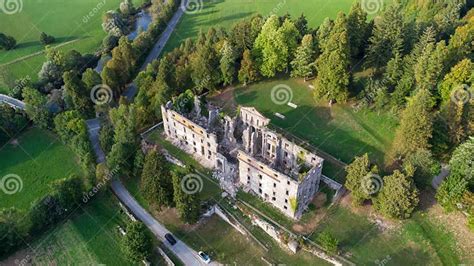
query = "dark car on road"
x=170 y=239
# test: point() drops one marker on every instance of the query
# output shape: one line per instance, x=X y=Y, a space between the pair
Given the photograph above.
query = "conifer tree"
x=303 y=63
x=333 y=77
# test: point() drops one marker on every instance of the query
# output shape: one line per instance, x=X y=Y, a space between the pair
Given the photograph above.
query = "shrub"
x=328 y=242
x=46 y=39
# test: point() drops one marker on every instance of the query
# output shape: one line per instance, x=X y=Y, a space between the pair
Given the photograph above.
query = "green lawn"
x=38 y=159
x=225 y=13
x=420 y=240
x=338 y=130
x=90 y=237
x=72 y=20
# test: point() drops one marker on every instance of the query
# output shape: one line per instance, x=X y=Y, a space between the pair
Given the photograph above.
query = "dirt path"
x=38 y=53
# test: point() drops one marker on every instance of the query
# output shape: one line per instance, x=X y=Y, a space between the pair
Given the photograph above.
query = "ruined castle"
x=243 y=150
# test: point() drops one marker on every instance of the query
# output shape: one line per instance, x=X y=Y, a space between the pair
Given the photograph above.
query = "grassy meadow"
x=90 y=237
x=418 y=240
x=225 y=13
x=39 y=159
x=75 y=25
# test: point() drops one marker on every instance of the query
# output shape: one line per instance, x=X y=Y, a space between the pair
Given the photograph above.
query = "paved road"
x=187 y=255
x=437 y=180
x=93 y=127
x=132 y=89
x=15 y=103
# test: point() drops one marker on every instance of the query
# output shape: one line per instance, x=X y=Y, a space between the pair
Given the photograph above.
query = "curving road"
x=15 y=103
x=157 y=49
x=186 y=254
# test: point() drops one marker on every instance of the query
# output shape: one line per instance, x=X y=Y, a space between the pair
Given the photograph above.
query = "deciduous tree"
x=137 y=243
x=398 y=197
x=248 y=72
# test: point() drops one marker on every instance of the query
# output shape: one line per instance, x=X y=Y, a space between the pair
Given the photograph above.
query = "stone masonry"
x=269 y=165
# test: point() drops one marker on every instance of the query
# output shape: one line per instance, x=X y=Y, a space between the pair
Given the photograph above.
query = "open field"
x=419 y=239
x=79 y=21
x=338 y=130
x=38 y=159
x=89 y=237
x=225 y=13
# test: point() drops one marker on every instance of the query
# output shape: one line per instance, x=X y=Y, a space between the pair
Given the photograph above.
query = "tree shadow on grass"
x=217 y=21
x=58 y=41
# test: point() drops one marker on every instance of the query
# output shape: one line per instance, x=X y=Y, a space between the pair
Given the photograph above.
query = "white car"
x=204 y=257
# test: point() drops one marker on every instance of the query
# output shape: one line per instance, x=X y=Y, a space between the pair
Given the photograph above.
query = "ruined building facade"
x=247 y=152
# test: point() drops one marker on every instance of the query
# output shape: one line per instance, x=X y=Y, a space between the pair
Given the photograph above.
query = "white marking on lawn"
x=280 y=115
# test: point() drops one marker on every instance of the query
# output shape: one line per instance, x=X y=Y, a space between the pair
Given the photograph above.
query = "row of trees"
x=395 y=195
x=16 y=227
x=127 y=56
x=68 y=78
x=8 y=42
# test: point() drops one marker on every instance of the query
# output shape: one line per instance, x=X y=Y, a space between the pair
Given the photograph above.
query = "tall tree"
x=187 y=204
x=457 y=107
x=205 y=67
x=91 y=78
x=274 y=45
x=227 y=63
x=461 y=43
x=416 y=125
x=36 y=107
x=359 y=179
x=430 y=66
x=399 y=196
x=333 y=77
x=78 y=94
x=156 y=182
x=137 y=243
x=118 y=71
x=357 y=28
x=387 y=34
x=124 y=120
x=301 y=25
x=248 y=72
x=303 y=63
